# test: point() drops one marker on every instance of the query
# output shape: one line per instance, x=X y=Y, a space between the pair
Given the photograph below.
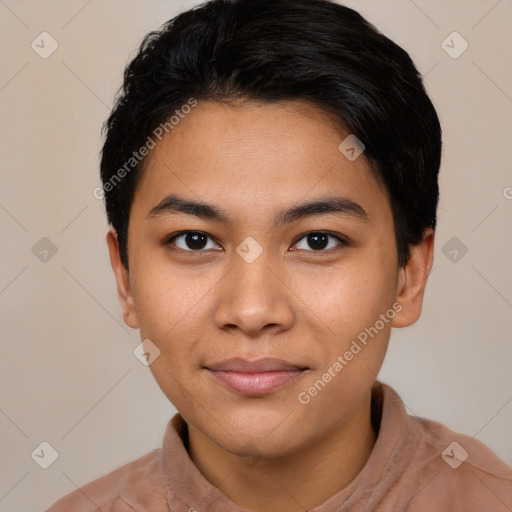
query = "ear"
x=412 y=279
x=124 y=291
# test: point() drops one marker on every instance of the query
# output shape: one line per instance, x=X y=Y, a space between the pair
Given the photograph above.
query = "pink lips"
x=256 y=377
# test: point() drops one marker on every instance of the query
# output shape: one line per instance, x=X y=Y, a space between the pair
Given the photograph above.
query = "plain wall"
x=68 y=375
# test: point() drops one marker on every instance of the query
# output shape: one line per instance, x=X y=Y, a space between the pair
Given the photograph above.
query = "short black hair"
x=272 y=50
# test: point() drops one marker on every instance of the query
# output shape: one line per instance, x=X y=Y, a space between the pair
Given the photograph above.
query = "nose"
x=254 y=298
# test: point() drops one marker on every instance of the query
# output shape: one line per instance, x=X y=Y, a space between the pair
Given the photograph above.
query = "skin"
x=295 y=302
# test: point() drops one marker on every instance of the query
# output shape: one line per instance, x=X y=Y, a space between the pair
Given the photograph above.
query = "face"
x=239 y=278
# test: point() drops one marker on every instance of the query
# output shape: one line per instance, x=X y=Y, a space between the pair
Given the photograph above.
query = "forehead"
x=256 y=157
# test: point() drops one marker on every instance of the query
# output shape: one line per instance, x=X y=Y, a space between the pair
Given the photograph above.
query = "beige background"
x=68 y=375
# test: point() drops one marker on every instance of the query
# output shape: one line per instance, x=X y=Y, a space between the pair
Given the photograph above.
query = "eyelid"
x=343 y=241
x=168 y=240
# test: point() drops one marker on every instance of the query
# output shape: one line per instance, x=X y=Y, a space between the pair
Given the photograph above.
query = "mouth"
x=255 y=378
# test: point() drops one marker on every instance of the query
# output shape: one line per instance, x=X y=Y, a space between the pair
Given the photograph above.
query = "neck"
x=297 y=482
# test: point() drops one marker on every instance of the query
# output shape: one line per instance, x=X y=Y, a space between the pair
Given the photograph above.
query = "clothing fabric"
x=416 y=465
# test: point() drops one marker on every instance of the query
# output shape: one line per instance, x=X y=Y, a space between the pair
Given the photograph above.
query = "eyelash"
x=343 y=242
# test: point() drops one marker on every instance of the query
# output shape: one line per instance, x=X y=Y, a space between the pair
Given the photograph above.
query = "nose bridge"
x=251 y=277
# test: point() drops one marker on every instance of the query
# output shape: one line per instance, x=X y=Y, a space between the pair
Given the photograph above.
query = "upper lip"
x=268 y=364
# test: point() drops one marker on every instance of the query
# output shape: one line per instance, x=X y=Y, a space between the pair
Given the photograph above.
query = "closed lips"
x=263 y=365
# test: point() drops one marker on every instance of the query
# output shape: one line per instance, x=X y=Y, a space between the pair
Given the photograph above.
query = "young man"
x=270 y=174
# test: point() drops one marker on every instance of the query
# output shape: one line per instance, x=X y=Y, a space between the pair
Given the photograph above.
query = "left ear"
x=412 y=279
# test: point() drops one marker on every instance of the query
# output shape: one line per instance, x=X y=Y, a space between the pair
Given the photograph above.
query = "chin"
x=265 y=437
x=255 y=448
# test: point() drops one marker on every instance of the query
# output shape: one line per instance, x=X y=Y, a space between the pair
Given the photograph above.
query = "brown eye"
x=191 y=241
x=318 y=241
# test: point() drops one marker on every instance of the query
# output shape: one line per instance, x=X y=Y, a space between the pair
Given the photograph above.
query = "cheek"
x=169 y=310
x=349 y=297
x=168 y=298
x=174 y=306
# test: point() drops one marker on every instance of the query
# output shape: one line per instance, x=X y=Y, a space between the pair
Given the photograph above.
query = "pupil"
x=195 y=240
x=198 y=240
x=318 y=240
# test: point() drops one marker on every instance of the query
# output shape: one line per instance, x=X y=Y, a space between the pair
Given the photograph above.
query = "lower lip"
x=255 y=383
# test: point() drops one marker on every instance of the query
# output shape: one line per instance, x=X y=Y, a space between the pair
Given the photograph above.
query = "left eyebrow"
x=334 y=205
x=344 y=206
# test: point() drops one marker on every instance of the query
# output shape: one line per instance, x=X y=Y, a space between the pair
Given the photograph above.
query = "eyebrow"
x=173 y=204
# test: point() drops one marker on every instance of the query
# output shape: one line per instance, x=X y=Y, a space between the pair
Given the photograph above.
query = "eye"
x=197 y=241
x=191 y=241
x=319 y=241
